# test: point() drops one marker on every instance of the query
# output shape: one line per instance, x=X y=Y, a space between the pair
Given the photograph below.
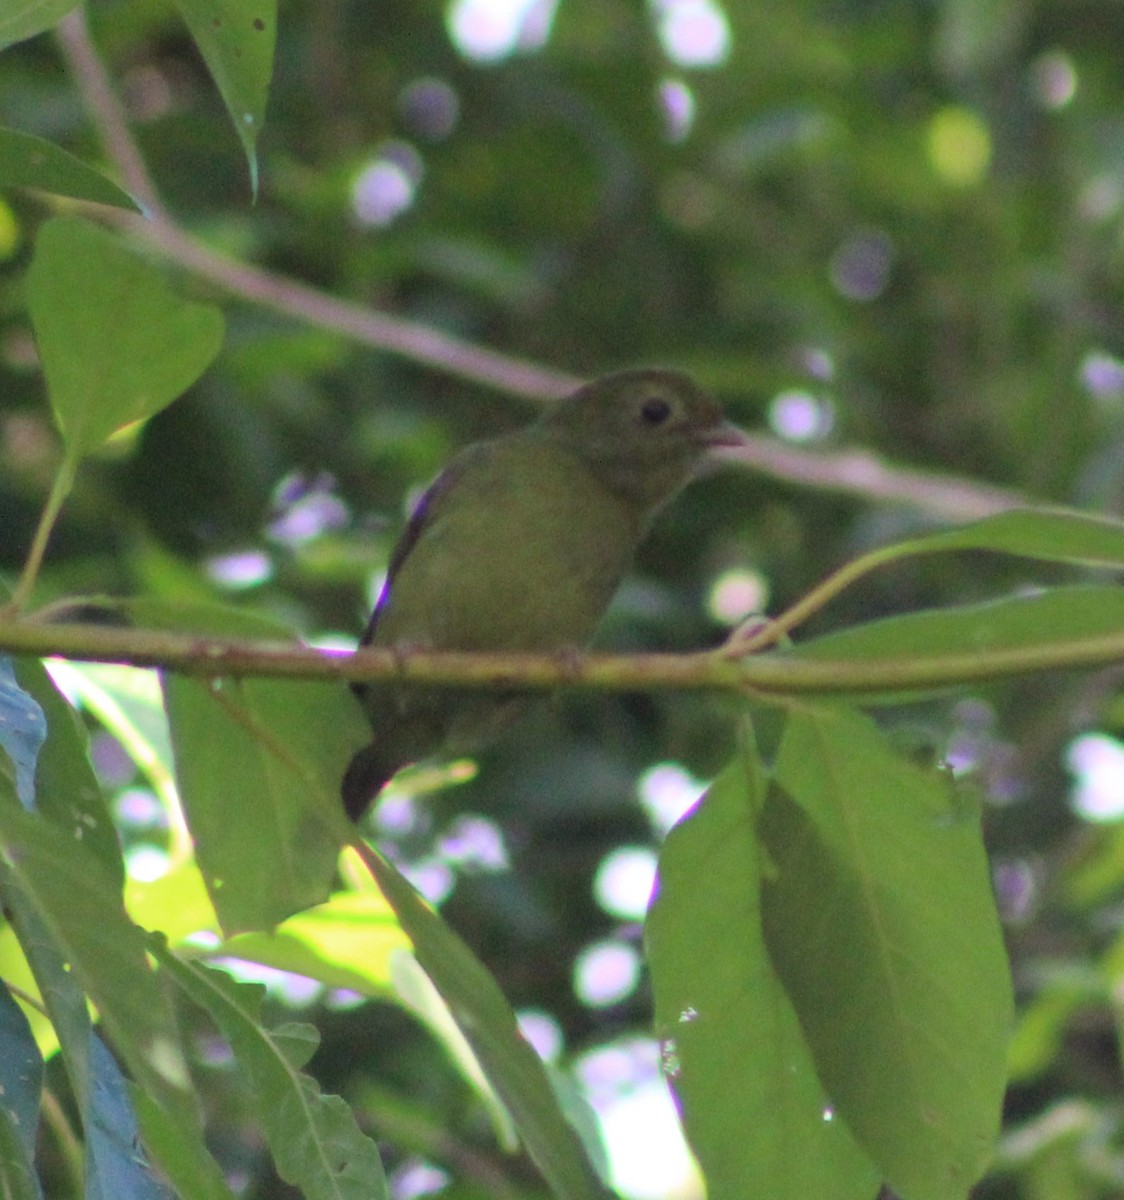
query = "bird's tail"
x=365 y=777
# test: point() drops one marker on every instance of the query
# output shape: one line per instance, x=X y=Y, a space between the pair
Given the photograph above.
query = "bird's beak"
x=726 y=436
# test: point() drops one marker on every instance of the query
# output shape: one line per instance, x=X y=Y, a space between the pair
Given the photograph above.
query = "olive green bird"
x=520 y=545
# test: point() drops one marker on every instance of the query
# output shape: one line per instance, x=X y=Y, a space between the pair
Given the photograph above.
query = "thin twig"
x=104 y=105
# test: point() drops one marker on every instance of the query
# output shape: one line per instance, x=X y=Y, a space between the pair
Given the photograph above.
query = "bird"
x=520 y=545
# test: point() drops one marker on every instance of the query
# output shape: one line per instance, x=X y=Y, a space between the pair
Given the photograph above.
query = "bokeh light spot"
x=1055 y=79
x=736 y=594
x=800 y=416
x=667 y=793
x=624 y=879
x=677 y=103
x=606 y=973
x=693 y=33
x=959 y=146
x=491 y=30
x=542 y=1031
x=385 y=188
x=1097 y=763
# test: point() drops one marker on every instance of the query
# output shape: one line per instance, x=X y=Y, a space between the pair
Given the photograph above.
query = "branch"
x=775 y=674
x=851 y=471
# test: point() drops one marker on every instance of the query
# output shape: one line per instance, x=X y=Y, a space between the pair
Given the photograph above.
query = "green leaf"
x=1053 y=535
x=1067 y=620
x=23 y=729
x=79 y=908
x=79 y=943
x=258 y=766
x=735 y=1055
x=314 y=1139
x=31 y=162
x=66 y=789
x=116 y=343
x=21 y=1081
x=236 y=39
x=346 y=943
x=485 y=1018
x=880 y=921
x=22 y=19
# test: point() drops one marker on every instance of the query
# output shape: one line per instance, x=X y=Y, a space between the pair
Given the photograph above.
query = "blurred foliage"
x=908 y=215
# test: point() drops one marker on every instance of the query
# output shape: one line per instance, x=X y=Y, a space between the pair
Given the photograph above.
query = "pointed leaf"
x=31 y=162
x=485 y=1018
x=314 y=1139
x=116 y=343
x=1062 y=616
x=236 y=39
x=1053 y=535
x=736 y=1057
x=882 y=926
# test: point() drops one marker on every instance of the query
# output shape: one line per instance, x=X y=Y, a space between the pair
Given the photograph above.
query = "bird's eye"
x=655 y=410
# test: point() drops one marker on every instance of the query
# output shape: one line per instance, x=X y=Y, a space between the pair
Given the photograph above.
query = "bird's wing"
x=424 y=511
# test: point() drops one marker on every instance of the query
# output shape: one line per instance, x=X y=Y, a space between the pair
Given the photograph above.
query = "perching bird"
x=520 y=545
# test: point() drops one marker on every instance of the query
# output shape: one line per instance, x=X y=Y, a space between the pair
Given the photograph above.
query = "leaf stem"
x=60 y=489
x=757 y=634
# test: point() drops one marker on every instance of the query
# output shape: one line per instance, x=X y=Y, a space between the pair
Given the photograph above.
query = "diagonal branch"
x=851 y=471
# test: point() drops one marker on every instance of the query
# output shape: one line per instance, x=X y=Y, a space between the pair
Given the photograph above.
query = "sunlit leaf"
x=346 y=943
x=1071 y=620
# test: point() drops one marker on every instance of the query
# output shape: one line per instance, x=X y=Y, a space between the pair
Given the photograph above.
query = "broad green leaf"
x=754 y=1109
x=236 y=39
x=880 y=921
x=20 y=19
x=31 y=162
x=21 y=1081
x=177 y=904
x=346 y=943
x=1054 y=535
x=512 y=1067
x=116 y=343
x=258 y=765
x=1059 y=627
x=313 y=1138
